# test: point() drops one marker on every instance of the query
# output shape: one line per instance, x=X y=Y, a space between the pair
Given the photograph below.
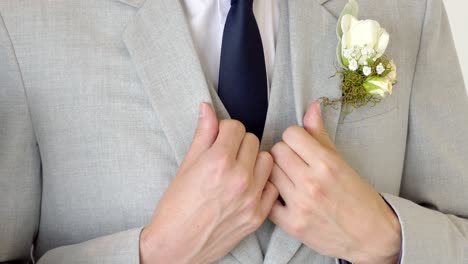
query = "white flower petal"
x=367 y=70
x=347 y=53
x=363 y=60
x=365 y=32
x=380 y=69
x=353 y=65
x=345 y=40
x=382 y=43
x=347 y=21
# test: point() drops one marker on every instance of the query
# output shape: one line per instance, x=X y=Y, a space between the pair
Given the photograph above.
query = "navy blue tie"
x=242 y=74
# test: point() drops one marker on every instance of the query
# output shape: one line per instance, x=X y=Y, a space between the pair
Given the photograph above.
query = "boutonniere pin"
x=367 y=73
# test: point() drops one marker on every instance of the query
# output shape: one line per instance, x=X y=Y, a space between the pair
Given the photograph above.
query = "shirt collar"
x=197 y=7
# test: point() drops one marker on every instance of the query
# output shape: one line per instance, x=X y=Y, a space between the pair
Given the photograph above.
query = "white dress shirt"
x=206 y=20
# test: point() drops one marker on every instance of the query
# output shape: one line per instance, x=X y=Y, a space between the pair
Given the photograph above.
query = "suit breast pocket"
x=373 y=141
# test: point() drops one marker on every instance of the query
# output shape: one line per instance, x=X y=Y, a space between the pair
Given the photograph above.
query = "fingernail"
x=202 y=111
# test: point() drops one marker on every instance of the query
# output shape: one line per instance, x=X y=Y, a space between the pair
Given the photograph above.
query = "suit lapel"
x=313 y=56
x=162 y=51
x=312 y=49
x=281 y=111
x=161 y=48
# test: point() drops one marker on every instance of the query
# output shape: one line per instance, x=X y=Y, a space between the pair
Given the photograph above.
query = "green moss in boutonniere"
x=367 y=74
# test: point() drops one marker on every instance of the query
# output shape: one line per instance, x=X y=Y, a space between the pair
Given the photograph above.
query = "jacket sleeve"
x=119 y=248
x=433 y=202
x=20 y=182
x=20 y=185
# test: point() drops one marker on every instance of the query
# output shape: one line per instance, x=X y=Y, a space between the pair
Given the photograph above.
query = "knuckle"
x=315 y=193
x=297 y=227
x=219 y=164
x=241 y=183
x=249 y=206
x=324 y=168
x=251 y=228
x=265 y=157
x=217 y=176
x=303 y=209
x=253 y=220
x=278 y=148
x=252 y=139
x=291 y=132
x=233 y=125
x=256 y=221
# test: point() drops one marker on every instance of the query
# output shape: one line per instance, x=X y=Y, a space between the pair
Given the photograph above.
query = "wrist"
x=385 y=246
x=146 y=247
x=155 y=247
x=151 y=248
x=393 y=239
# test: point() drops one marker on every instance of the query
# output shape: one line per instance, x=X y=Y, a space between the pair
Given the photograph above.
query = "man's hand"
x=220 y=195
x=327 y=205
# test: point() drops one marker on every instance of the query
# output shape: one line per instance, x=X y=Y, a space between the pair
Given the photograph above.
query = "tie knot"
x=246 y=3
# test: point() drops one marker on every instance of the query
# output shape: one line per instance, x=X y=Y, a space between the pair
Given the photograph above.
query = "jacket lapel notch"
x=134 y=3
x=321 y=2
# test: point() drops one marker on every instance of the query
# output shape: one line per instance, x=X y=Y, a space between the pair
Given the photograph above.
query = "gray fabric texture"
x=98 y=105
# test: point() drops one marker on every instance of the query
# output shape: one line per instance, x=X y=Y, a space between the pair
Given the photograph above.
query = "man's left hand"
x=326 y=204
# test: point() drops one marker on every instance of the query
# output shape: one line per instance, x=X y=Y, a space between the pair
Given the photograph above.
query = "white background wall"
x=458 y=17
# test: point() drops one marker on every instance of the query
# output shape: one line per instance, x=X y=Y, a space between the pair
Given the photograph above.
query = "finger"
x=288 y=160
x=262 y=170
x=279 y=215
x=302 y=143
x=230 y=136
x=269 y=196
x=282 y=182
x=248 y=150
x=313 y=124
x=205 y=133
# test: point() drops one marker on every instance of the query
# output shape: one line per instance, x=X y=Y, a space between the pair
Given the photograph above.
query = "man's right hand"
x=219 y=196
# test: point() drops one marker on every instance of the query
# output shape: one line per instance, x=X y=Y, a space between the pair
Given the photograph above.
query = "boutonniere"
x=367 y=73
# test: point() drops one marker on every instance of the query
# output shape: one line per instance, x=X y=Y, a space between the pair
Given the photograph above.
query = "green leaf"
x=370 y=87
x=351 y=8
x=386 y=72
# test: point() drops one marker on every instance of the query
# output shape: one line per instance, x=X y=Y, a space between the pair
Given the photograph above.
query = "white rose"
x=364 y=36
x=378 y=86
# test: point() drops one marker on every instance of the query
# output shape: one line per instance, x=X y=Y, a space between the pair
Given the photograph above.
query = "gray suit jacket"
x=98 y=104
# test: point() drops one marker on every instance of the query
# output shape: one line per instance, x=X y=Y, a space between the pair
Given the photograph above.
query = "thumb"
x=313 y=124
x=206 y=132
